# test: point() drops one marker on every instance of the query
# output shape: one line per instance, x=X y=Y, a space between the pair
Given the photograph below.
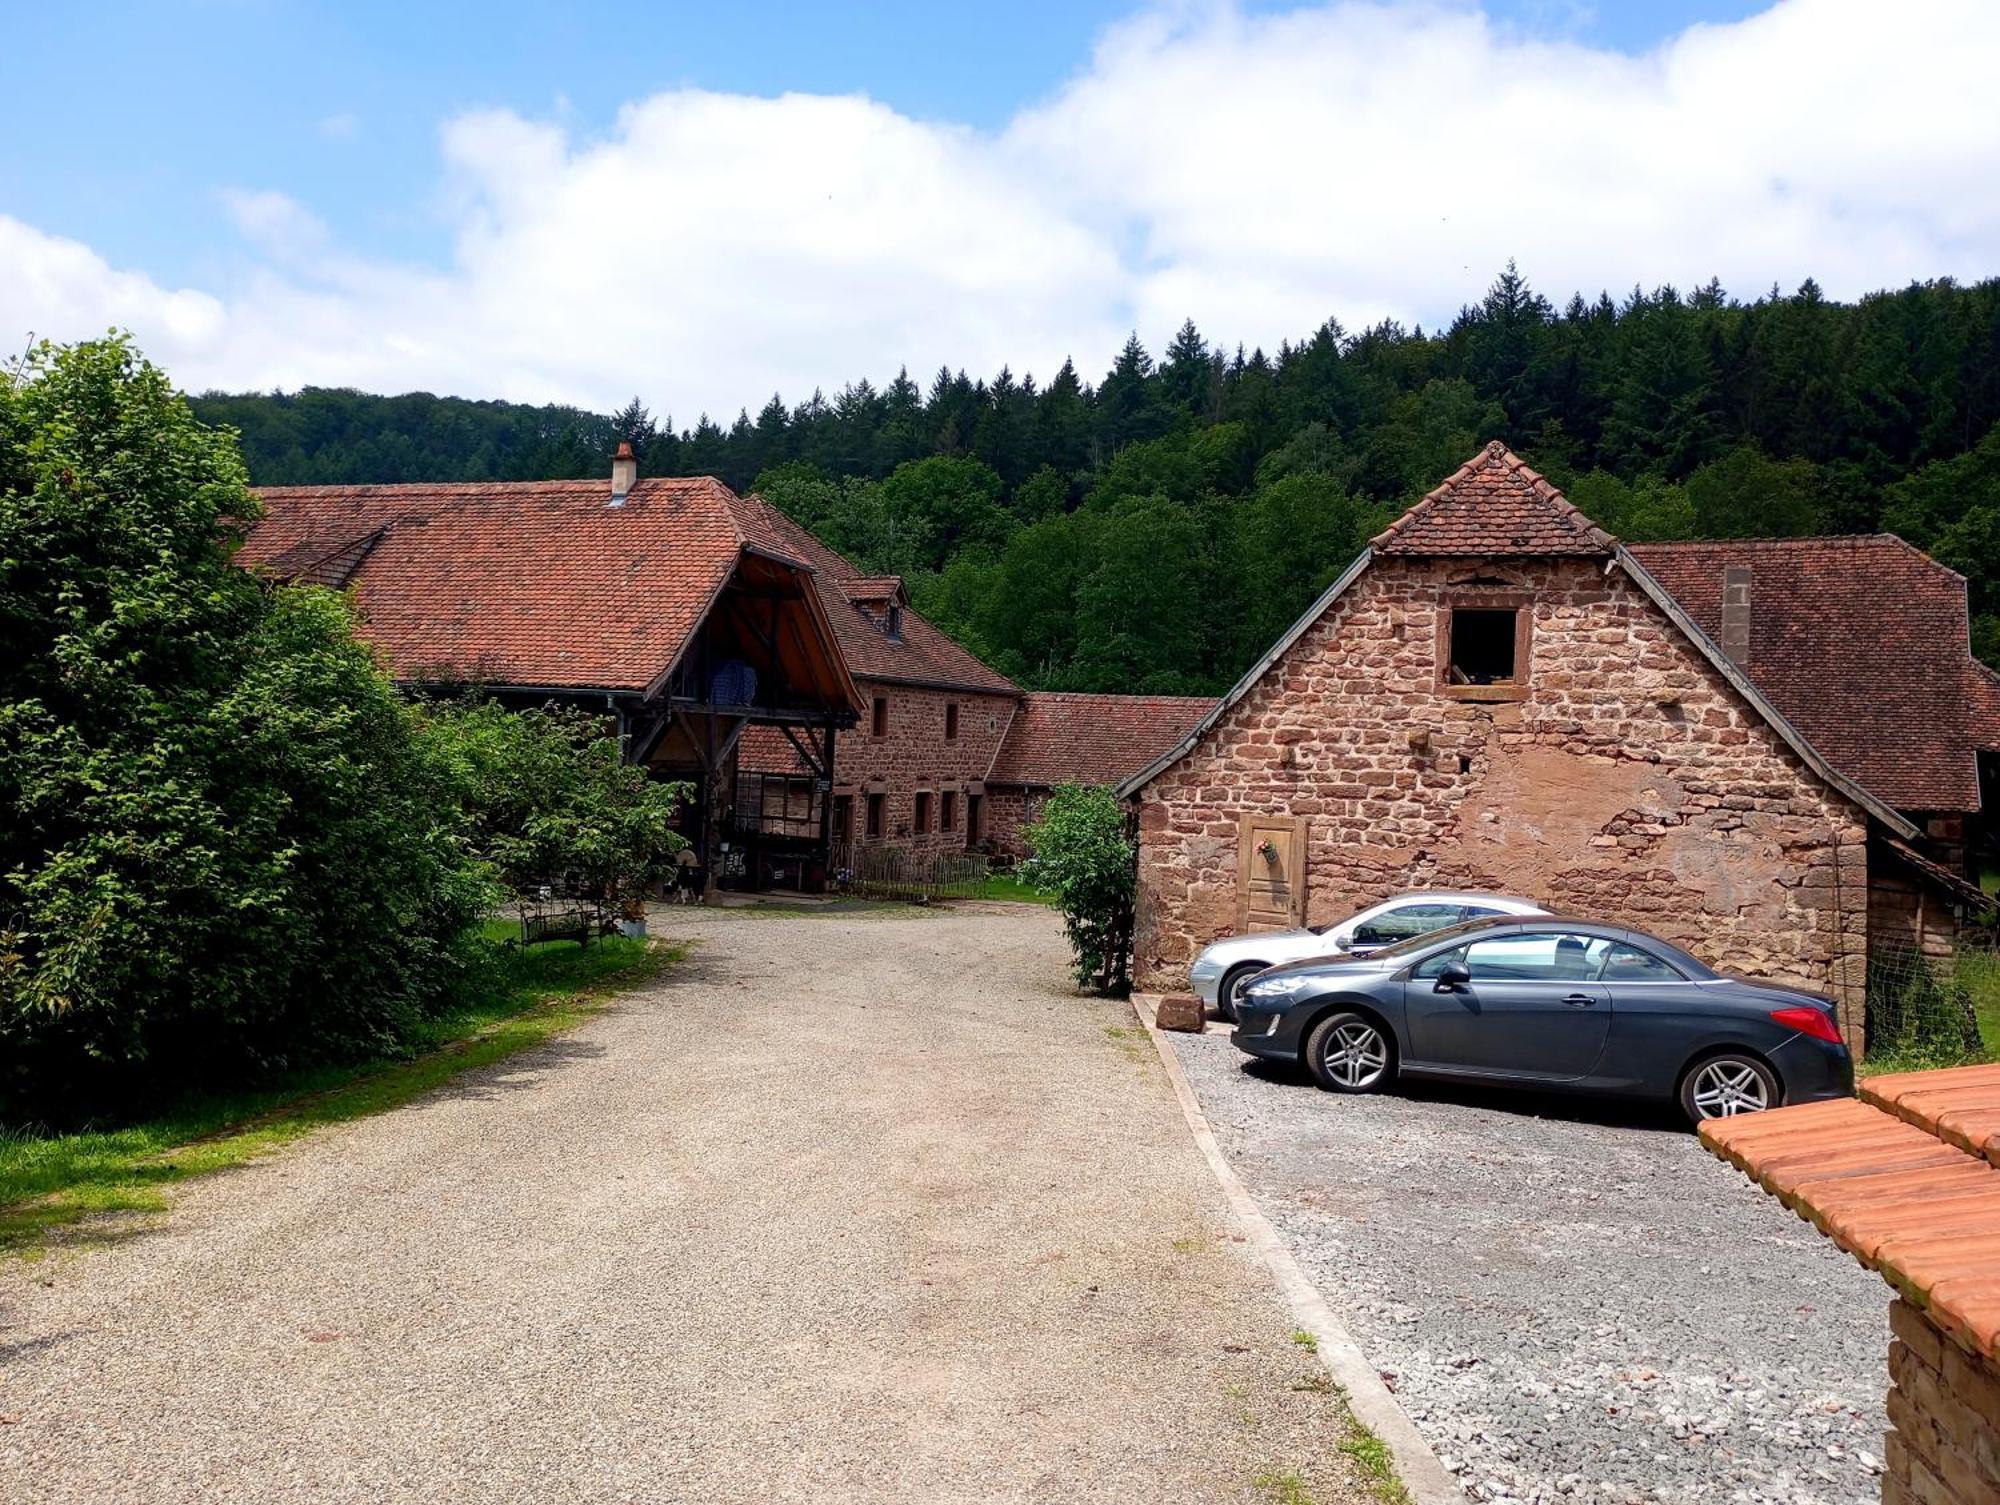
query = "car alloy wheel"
x=1349 y=1053
x=1727 y=1086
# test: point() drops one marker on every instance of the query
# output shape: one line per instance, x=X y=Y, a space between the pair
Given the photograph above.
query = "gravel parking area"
x=1574 y=1303
x=848 y=1207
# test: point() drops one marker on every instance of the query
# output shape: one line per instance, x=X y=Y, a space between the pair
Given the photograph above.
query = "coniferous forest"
x=1155 y=530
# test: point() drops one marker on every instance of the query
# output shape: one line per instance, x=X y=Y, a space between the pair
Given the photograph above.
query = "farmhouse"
x=1758 y=751
x=816 y=714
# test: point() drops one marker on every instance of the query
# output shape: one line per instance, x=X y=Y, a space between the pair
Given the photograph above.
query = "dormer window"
x=892 y=624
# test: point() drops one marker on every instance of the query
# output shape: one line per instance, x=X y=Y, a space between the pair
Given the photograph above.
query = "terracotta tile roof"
x=922 y=655
x=529 y=583
x=1493 y=505
x=1091 y=739
x=1861 y=643
x=1907 y=1182
x=877 y=588
x=1960 y=1105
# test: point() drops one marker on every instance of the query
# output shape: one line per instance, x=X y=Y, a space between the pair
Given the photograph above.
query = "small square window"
x=922 y=819
x=951 y=721
x=1483 y=648
x=878 y=719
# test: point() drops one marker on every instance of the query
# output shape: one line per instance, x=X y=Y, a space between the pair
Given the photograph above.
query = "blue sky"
x=208 y=172
x=342 y=102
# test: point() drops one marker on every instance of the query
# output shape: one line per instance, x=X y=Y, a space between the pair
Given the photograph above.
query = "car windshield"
x=1431 y=938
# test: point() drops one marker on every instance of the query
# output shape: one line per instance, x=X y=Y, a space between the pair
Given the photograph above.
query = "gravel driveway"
x=848 y=1207
x=1575 y=1303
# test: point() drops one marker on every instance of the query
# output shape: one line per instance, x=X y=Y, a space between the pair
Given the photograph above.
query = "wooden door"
x=1271 y=873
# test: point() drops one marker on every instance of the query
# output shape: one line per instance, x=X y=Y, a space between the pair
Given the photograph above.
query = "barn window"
x=951 y=721
x=877 y=804
x=1483 y=649
x=922 y=821
x=878 y=718
x=948 y=810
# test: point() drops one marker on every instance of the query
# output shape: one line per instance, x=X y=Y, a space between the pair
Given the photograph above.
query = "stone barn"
x=1497 y=695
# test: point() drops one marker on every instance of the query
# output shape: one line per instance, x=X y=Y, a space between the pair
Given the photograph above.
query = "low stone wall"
x=1944 y=1411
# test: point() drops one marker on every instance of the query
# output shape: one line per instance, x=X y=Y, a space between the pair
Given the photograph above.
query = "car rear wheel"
x=1726 y=1085
x=1350 y=1053
x=1225 y=996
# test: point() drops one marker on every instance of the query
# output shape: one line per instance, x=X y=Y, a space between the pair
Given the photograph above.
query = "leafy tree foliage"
x=549 y=801
x=1046 y=524
x=221 y=848
x=1084 y=857
x=227 y=844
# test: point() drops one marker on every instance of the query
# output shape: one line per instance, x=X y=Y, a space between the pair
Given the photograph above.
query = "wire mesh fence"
x=885 y=872
x=1935 y=1009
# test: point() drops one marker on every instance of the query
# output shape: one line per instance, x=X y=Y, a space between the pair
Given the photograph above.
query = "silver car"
x=1227 y=964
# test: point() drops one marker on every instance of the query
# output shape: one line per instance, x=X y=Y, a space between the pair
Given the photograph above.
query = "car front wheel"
x=1726 y=1085
x=1225 y=996
x=1350 y=1053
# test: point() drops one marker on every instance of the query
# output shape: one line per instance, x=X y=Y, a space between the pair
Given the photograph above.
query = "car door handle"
x=1580 y=1001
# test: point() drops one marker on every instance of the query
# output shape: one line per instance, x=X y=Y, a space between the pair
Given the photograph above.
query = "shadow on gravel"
x=517 y=1073
x=1617 y=1113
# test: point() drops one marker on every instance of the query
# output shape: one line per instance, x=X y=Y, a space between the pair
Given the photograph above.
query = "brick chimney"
x=624 y=472
x=1736 y=614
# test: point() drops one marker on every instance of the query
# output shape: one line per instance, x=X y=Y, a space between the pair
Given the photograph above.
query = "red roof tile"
x=1091 y=739
x=1860 y=643
x=921 y=655
x=1892 y=1181
x=1493 y=505
x=528 y=583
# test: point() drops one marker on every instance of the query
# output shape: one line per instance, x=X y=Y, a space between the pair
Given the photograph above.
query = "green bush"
x=1083 y=856
x=549 y=801
x=223 y=849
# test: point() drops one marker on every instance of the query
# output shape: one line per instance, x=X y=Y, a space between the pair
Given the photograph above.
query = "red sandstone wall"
x=1632 y=784
x=1009 y=807
x=915 y=755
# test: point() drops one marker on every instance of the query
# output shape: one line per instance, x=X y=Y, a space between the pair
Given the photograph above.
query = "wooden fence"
x=884 y=872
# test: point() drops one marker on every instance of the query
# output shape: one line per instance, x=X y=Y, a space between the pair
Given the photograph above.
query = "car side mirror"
x=1453 y=976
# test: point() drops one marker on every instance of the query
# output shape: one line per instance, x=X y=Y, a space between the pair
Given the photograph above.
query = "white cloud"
x=344 y=126
x=1255 y=173
x=275 y=223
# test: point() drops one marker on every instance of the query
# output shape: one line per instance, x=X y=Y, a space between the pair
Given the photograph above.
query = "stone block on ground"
x=1182 y=1011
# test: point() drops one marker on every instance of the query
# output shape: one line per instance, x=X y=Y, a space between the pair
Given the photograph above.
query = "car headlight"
x=1276 y=989
x=1204 y=966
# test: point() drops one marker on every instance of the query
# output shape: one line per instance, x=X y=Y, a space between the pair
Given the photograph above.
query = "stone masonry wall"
x=915 y=755
x=1009 y=807
x=1944 y=1418
x=1631 y=783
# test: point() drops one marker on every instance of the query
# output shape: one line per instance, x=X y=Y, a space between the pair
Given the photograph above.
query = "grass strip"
x=49 y=1180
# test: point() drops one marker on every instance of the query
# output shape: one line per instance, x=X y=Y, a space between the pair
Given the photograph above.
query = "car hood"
x=1333 y=967
x=1274 y=946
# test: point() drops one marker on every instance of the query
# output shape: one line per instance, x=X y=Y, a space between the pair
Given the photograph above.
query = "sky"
x=706 y=204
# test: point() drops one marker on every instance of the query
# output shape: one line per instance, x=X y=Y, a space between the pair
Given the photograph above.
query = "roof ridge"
x=1494 y=453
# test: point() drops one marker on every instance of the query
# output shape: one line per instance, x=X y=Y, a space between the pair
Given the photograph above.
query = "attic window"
x=1483 y=648
x=892 y=624
x=950 y=722
x=878 y=717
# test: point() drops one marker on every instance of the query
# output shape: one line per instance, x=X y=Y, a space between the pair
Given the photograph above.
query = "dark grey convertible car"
x=1551 y=1003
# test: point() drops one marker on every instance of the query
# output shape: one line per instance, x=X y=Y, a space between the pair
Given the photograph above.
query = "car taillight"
x=1809 y=1021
